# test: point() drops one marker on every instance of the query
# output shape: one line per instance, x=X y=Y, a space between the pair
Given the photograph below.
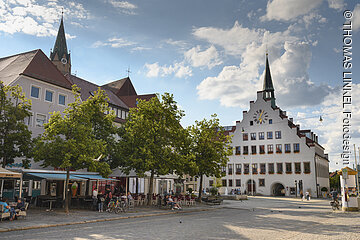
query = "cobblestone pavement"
x=256 y=218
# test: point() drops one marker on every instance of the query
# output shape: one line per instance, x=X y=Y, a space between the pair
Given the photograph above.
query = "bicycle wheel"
x=117 y=208
x=124 y=207
x=111 y=207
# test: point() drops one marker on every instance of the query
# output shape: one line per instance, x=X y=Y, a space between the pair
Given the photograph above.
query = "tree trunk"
x=151 y=186
x=67 y=191
x=200 y=188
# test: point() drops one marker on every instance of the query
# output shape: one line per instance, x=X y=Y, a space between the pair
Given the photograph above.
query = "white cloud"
x=140 y=49
x=313 y=18
x=336 y=4
x=124 y=6
x=289 y=62
x=288 y=9
x=178 y=69
x=30 y=17
x=198 y=58
x=153 y=69
x=114 y=43
x=356 y=17
x=233 y=40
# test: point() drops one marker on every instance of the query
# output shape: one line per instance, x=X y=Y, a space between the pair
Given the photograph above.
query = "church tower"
x=268 y=88
x=60 y=55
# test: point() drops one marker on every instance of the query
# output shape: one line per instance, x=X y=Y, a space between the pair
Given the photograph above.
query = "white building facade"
x=271 y=155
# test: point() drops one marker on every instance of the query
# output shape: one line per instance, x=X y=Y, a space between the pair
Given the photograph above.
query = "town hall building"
x=271 y=154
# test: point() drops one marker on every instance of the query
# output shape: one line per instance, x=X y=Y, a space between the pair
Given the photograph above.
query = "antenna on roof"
x=128 y=72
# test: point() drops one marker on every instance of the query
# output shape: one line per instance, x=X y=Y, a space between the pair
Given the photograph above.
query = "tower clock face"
x=260 y=116
x=63 y=61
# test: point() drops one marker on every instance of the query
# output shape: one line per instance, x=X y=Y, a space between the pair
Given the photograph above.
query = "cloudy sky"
x=209 y=53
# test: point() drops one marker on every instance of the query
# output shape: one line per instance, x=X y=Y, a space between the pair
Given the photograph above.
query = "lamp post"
x=296 y=188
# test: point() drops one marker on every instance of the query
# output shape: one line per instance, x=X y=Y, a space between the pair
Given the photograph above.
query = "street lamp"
x=296 y=188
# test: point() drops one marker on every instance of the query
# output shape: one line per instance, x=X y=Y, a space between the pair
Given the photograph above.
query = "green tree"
x=152 y=139
x=15 y=137
x=335 y=181
x=210 y=148
x=72 y=140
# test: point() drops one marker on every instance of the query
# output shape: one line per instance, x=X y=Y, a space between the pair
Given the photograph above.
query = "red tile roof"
x=130 y=101
x=33 y=64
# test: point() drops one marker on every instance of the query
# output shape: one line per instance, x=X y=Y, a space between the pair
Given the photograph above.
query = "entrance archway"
x=251 y=187
x=278 y=189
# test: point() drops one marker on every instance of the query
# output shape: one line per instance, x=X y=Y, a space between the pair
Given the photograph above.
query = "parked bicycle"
x=117 y=205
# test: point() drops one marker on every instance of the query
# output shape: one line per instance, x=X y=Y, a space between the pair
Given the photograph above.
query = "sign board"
x=345 y=173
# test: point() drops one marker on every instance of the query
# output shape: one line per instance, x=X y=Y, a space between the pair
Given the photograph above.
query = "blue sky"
x=209 y=54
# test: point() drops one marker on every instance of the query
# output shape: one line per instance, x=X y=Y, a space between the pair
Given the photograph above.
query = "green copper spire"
x=60 y=56
x=60 y=48
x=268 y=87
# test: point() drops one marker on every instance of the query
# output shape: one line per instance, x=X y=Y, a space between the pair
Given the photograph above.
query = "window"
x=296 y=147
x=238 y=169
x=123 y=114
x=287 y=148
x=270 y=148
x=230 y=182
x=35 y=92
x=261 y=135
x=270 y=121
x=223 y=169
x=253 y=136
x=246 y=168
x=297 y=168
x=288 y=168
x=271 y=168
x=279 y=168
x=28 y=120
x=278 y=134
x=262 y=149
x=278 y=148
x=230 y=169
x=237 y=150
x=306 y=167
x=224 y=182
x=254 y=168
x=251 y=123
x=211 y=183
x=269 y=135
x=262 y=168
x=245 y=137
x=245 y=150
x=126 y=114
x=40 y=120
x=261 y=182
x=62 y=99
x=238 y=182
x=253 y=149
x=49 y=96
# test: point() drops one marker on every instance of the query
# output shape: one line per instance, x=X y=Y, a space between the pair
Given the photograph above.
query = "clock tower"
x=60 y=55
x=268 y=88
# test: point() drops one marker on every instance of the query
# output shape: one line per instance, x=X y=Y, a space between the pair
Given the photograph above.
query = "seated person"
x=20 y=206
x=7 y=208
x=171 y=202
